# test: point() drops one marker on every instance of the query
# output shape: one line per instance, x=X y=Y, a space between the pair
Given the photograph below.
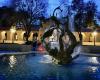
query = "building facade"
x=17 y=35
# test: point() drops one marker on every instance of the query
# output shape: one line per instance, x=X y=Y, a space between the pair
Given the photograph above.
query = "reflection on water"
x=48 y=59
x=12 y=61
x=93 y=60
x=93 y=69
x=41 y=67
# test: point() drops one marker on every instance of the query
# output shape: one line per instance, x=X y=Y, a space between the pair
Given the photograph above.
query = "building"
x=13 y=35
x=16 y=35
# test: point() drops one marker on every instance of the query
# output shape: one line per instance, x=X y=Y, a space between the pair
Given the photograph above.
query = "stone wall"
x=15 y=47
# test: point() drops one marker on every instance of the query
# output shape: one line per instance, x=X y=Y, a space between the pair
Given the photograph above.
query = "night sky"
x=52 y=4
x=5 y=3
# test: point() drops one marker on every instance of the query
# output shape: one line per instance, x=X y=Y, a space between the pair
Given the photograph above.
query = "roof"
x=4 y=28
x=90 y=30
x=36 y=28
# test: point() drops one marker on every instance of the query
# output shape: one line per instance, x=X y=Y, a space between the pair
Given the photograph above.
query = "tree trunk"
x=80 y=35
x=26 y=36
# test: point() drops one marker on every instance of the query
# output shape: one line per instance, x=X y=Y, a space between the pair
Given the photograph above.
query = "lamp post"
x=94 y=34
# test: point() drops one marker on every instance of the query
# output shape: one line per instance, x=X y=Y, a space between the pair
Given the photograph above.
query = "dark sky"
x=5 y=3
x=52 y=4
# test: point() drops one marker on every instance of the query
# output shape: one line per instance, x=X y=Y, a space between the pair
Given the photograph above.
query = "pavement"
x=88 y=50
x=91 y=43
x=21 y=42
x=9 y=41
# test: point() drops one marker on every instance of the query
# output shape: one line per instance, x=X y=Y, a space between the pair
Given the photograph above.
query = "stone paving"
x=21 y=42
x=91 y=43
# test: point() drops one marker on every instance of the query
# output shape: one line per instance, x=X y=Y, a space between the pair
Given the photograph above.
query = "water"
x=41 y=67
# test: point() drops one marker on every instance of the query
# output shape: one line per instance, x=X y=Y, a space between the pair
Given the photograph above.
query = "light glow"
x=12 y=60
x=94 y=33
x=13 y=29
x=94 y=60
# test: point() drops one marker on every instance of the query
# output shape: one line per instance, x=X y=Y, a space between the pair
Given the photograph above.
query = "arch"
x=3 y=36
x=35 y=35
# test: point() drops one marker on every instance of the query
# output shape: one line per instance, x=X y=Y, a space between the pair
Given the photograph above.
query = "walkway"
x=91 y=43
x=89 y=50
x=16 y=53
x=21 y=42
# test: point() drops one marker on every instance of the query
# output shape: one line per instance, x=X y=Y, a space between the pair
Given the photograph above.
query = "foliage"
x=78 y=6
x=5 y=15
x=35 y=8
x=30 y=11
x=91 y=10
x=84 y=15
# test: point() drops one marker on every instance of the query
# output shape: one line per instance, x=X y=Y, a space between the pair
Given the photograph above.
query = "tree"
x=84 y=15
x=91 y=10
x=5 y=14
x=78 y=6
x=30 y=10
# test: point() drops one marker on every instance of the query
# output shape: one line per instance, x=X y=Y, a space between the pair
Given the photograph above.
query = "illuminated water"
x=41 y=67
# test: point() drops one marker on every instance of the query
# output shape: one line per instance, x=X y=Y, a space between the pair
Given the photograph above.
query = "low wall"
x=86 y=50
x=15 y=47
x=91 y=49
